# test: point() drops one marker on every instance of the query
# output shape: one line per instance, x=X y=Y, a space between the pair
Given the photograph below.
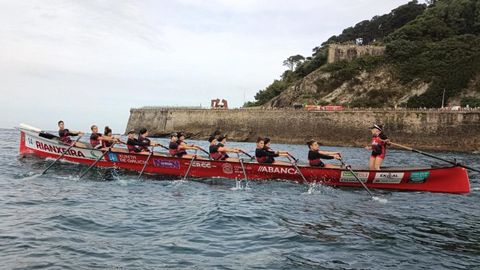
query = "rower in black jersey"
x=177 y=146
x=218 y=151
x=264 y=154
x=315 y=156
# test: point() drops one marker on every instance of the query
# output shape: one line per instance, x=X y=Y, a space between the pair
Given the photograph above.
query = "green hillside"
x=438 y=45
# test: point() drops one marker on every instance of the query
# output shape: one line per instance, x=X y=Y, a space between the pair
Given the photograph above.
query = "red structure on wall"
x=217 y=104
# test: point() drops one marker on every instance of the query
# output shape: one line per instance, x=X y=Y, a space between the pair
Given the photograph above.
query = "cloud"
x=90 y=61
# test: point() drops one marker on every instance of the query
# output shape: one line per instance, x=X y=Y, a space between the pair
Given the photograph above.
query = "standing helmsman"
x=378 y=146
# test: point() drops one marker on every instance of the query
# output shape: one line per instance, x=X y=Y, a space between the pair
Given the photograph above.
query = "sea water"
x=111 y=220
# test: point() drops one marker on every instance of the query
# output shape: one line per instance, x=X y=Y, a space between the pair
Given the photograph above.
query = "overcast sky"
x=91 y=61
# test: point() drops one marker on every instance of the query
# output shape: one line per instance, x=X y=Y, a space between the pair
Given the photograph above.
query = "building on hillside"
x=339 y=52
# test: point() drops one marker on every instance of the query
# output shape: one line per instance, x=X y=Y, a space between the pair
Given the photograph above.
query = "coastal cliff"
x=427 y=130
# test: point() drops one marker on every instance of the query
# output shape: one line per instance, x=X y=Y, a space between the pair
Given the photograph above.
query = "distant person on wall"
x=315 y=156
x=65 y=134
x=378 y=146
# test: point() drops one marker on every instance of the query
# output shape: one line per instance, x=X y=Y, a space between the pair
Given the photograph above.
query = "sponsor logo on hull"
x=227 y=168
x=202 y=164
x=277 y=170
x=163 y=163
x=33 y=143
x=388 y=177
x=348 y=177
x=113 y=157
x=131 y=159
x=419 y=177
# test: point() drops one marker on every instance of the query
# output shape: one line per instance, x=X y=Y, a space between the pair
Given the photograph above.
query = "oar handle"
x=203 y=150
x=161 y=145
x=295 y=159
x=246 y=154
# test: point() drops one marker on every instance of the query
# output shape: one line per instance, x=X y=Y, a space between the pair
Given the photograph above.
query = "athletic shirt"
x=314 y=158
x=94 y=141
x=106 y=143
x=173 y=149
x=144 y=143
x=134 y=146
x=65 y=136
x=214 y=154
x=223 y=153
x=379 y=147
x=265 y=155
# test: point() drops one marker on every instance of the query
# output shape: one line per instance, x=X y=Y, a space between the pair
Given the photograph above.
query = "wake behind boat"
x=451 y=179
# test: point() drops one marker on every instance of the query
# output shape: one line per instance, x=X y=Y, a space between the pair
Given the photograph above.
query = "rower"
x=133 y=144
x=378 y=147
x=315 y=156
x=144 y=141
x=178 y=148
x=97 y=140
x=107 y=139
x=222 y=140
x=264 y=154
x=65 y=134
x=183 y=146
x=218 y=151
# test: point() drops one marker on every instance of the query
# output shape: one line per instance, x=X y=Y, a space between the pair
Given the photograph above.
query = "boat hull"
x=447 y=179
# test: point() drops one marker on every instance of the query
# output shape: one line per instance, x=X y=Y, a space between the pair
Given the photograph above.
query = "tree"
x=293 y=61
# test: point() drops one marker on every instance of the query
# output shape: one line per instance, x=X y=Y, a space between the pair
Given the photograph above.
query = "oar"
x=96 y=161
x=432 y=156
x=146 y=162
x=348 y=167
x=294 y=163
x=290 y=155
x=243 y=169
x=205 y=151
x=189 y=167
x=63 y=154
x=161 y=145
x=247 y=154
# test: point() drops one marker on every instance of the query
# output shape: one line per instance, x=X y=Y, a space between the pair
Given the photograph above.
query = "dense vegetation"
x=442 y=46
x=438 y=44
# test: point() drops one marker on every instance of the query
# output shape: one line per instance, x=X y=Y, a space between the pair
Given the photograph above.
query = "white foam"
x=31 y=175
x=380 y=200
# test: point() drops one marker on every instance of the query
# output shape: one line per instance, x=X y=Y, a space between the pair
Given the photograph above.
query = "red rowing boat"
x=452 y=179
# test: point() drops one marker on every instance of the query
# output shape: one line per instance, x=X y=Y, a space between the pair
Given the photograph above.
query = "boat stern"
x=23 y=149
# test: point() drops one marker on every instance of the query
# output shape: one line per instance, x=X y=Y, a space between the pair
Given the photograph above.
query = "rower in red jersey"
x=108 y=139
x=133 y=144
x=182 y=146
x=264 y=154
x=97 y=140
x=65 y=134
x=178 y=148
x=144 y=141
x=378 y=146
x=218 y=151
x=315 y=156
